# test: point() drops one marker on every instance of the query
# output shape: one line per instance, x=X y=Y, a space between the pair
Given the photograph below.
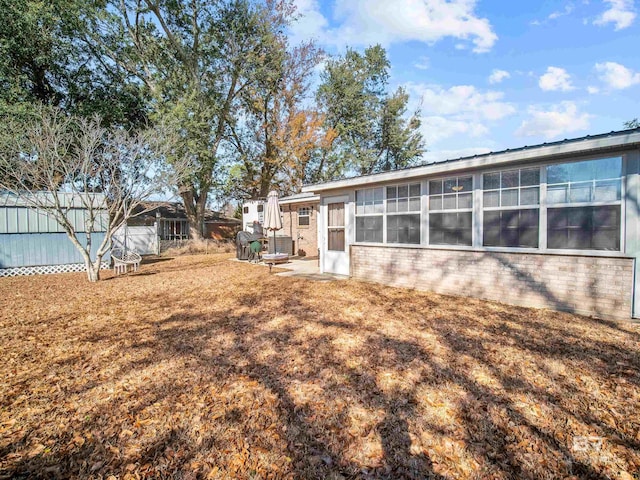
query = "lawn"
x=200 y=367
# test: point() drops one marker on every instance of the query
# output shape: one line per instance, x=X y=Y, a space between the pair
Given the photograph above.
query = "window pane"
x=403 y=191
x=580 y=171
x=584 y=228
x=403 y=229
x=336 y=239
x=607 y=191
x=303 y=220
x=414 y=204
x=465 y=184
x=369 y=229
x=435 y=187
x=414 y=190
x=491 y=199
x=511 y=228
x=392 y=206
x=368 y=195
x=449 y=202
x=580 y=192
x=608 y=168
x=465 y=200
x=378 y=206
x=510 y=179
x=336 y=214
x=435 y=203
x=377 y=195
x=490 y=181
x=557 y=174
x=530 y=196
x=557 y=193
x=369 y=208
x=450 y=228
x=530 y=176
x=403 y=204
x=449 y=185
x=509 y=198
x=391 y=192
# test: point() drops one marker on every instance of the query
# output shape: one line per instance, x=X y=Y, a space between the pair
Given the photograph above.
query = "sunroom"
x=555 y=225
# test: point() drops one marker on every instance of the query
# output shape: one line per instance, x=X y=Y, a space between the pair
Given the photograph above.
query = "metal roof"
x=299 y=197
x=622 y=139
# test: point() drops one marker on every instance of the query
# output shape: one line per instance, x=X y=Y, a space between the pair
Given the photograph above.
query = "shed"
x=32 y=241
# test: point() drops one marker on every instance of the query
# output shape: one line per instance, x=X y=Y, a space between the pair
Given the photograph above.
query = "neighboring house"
x=157 y=224
x=555 y=225
x=300 y=222
x=32 y=242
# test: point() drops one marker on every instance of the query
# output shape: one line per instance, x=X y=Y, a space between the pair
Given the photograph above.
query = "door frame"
x=335 y=262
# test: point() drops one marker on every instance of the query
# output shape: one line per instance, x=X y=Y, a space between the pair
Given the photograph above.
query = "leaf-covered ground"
x=200 y=367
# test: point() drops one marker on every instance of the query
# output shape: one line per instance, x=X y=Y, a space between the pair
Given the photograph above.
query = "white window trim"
x=408 y=212
x=472 y=209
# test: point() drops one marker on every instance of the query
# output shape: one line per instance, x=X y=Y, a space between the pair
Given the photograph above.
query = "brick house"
x=299 y=221
x=555 y=225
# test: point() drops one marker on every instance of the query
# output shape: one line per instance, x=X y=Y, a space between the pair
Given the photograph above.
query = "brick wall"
x=598 y=286
x=309 y=241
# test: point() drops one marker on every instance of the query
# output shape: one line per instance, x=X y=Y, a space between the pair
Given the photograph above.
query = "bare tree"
x=58 y=164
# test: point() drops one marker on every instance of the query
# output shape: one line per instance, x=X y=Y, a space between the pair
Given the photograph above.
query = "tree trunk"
x=93 y=272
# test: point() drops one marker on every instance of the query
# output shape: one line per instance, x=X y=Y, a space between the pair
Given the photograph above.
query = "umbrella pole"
x=274 y=243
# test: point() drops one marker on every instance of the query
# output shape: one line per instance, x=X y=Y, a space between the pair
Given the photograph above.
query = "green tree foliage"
x=196 y=59
x=44 y=60
x=373 y=132
x=635 y=123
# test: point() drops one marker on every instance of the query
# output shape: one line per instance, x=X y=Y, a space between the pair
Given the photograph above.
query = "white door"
x=335 y=245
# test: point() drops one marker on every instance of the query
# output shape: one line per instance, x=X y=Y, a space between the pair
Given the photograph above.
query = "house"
x=555 y=225
x=32 y=241
x=300 y=222
x=252 y=214
x=155 y=225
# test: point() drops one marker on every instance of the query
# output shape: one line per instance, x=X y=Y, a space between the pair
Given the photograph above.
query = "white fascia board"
x=309 y=199
x=581 y=147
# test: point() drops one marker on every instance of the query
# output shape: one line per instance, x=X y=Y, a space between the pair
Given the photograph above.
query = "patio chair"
x=122 y=260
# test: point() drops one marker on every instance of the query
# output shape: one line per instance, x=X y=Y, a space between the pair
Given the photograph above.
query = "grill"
x=243 y=240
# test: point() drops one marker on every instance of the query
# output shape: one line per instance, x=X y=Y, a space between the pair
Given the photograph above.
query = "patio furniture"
x=123 y=261
x=272 y=259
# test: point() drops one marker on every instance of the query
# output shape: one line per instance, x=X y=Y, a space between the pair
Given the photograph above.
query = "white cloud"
x=617 y=76
x=555 y=79
x=620 y=12
x=437 y=128
x=559 y=120
x=463 y=101
x=561 y=13
x=498 y=75
x=422 y=63
x=461 y=109
x=593 y=90
x=441 y=155
x=366 y=22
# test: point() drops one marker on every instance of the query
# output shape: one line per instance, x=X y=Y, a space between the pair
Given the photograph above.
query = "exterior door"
x=335 y=244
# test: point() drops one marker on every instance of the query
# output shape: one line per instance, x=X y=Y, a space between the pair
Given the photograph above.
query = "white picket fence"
x=142 y=240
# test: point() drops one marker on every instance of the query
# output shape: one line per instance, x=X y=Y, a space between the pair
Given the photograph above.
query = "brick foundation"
x=597 y=286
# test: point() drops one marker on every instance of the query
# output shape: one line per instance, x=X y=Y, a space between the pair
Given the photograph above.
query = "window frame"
x=519 y=207
x=363 y=214
x=407 y=213
x=457 y=210
x=306 y=215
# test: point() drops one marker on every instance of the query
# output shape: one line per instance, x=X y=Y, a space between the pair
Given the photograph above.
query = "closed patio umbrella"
x=272 y=219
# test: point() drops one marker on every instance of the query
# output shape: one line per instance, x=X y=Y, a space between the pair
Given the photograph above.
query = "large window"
x=450 y=211
x=584 y=201
x=369 y=215
x=511 y=210
x=403 y=213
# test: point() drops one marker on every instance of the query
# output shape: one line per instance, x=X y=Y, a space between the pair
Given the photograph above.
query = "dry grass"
x=199 y=367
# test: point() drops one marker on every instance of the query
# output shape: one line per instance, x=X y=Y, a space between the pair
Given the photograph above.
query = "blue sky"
x=495 y=74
